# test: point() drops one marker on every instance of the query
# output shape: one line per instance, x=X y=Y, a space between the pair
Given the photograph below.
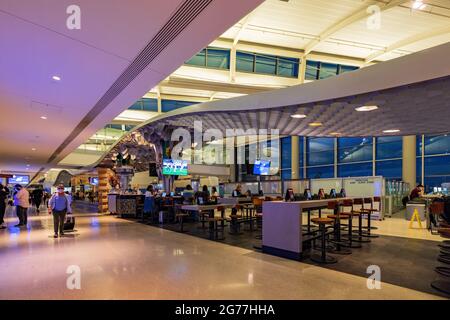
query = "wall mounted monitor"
x=19 y=179
x=93 y=181
x=261 y=167
x=175 y=167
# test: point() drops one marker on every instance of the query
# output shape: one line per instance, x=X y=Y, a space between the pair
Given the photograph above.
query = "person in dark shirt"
x=289 y=195
x=417 y=192
x=4 y=192
x=237 y=192
x=37 y=195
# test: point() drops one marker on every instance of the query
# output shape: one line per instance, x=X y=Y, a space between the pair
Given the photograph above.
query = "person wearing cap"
x=59 y=206
x=22 y=202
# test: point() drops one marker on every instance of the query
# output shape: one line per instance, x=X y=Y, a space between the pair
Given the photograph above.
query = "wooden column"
x=103 y=189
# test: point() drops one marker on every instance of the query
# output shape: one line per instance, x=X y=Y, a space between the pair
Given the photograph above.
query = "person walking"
x=22 y=202
x=59 y=205
x=4 y=192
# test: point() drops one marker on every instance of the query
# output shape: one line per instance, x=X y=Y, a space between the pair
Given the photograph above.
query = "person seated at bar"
x=150 y=191
x=237 y=192
x=417 y=192
x=342 y=194
x=333 y=193
x=202 y=197
x=307 y=194
x=289 y=195
x=321 y=194
x=214 y=194
x=248 y=194
x=260 y=193
x=188 y=194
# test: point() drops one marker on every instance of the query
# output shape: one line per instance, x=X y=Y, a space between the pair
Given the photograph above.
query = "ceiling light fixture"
x=391 y=131
x=33 y=149
x=43 y=117
x=366 y=108
x=418 y=4
x=298 y=116
x=315 y=124
x=335 y=133
x=56 y=78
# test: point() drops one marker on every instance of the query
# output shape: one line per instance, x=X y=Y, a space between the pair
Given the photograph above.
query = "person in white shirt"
x=22 y=202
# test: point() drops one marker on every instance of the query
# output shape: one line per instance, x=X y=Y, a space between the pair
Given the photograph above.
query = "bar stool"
x=336 y=218
x=323 y=257
x=179 y=217
x=203 y=217
x=359 y=212
x=369 y=212
x=215 y=228
x=350 y=214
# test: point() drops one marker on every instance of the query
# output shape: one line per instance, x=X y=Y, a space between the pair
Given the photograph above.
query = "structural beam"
x=352 y=18
x=410 y=40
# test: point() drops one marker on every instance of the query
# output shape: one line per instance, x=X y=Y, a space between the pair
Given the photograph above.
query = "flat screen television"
x=175 y=167
x=152 y=170
x=261 y=167
x=19 y=179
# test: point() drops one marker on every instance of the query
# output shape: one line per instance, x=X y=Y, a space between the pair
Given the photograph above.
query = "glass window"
x=355 y=169
x=389 y=169
x=300 y=156
x=149 y=104
x=327 y=70
x=419 y=169
x=431 y=182
x=439 y=165
x=286 y=174
x=437 y=144
x=265 y=64
x=354 y=149
x=218 y=58
x=286 y=153
x=419 y=145
x=312 y=70
x=320 y=172
x=344 y=69
x=129 y=127
x=137 y=105
x=389 y=147
x=320 y=151
x=169 y=105
x=199 y=59
x=244 y=61
x=288 y=67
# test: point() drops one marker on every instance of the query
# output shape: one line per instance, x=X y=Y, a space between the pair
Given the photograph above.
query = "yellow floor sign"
x=415 y=217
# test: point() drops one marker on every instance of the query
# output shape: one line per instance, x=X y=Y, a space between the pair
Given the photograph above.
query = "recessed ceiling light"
x=56 y=78
x=418 y=4
x=335 y=133
x=28 y=165
x=43 y=117
x=298 y=116
x=391 y=131
x=33 y=149
x=366 y=108
x=315 y=124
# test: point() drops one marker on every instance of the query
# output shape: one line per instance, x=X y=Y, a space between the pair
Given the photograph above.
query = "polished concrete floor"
x=121 y=259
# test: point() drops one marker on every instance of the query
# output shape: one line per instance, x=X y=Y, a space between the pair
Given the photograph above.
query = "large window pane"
x=218 y=58
x=389 y=147
x=199 y=59
x=244 y=61
x=327 y=70
x=355 y=169
x=286 y=153
x=320 y=172
x=312 y=70
x=344 y=69
x=419 y=169
x=439 y=165
x=354 y=149
x=286 y=174
x=169 y=105
x=432 y=182
x=391 y=169
x=437 y=144
x=320 y=151
x=265 y=64
x=137 y=105
x=300 y=156
x=149 y=104
x=419 y=145
x=288 y=67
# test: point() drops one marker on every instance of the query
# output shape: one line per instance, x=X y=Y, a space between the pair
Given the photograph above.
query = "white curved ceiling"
x=35 y=45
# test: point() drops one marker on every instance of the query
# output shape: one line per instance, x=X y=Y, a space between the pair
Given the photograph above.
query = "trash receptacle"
x=410 y=207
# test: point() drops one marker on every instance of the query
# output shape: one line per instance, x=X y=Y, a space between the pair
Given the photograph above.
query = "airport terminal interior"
x=225 y=149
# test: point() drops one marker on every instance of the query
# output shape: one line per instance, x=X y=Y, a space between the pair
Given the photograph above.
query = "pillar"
x=103 y=184
x=409 y=160
x=295 y=170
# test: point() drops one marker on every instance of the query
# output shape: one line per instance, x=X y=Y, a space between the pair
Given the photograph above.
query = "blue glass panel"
x=419 y=169
x=344 y=69
x=431 y=182
x=320 y=151
x=389 y=147
x=320 y=172
x=354 y=149
x=437 y=144
x=129 y=127
x=355 y=169
x=327 y=70
x=199 y=59
x=312 y=70
x=244 y=61
x=288 y=67
x=169 y=105
x=391 y=169
x=265 y=64
x=218 y=58
x=419 y=145
x=114 y=126
x=439 y=165
x=300 y=148
x=149 y=104
x=286 y=152
x=137 y=105
x=286 y=174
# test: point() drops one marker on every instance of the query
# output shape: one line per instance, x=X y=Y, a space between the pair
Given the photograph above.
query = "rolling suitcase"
x=69 y=224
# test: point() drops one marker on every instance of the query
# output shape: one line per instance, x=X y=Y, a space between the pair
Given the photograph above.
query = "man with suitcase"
x=59 y=205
